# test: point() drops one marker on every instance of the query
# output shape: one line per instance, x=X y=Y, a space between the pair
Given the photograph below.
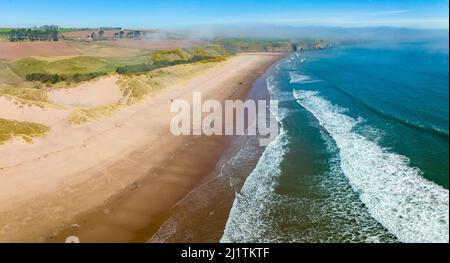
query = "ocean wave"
x=296 y=57
x=343 y=202
x=275 y=93
x=302 y=79
x=396 y=195
x=262 y=214
x=412 y=125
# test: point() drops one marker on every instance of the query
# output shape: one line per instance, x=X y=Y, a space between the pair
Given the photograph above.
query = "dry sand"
x=113 y=180
x=10 y=109
x=90 y=94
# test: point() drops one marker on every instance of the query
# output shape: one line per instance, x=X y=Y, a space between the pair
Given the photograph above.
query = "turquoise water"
x=362 y=154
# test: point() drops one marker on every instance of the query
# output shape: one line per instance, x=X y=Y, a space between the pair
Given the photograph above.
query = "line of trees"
x=136 y=34
x=55 y=78
x=44 y=33
x=145 y=67
x=100 y=35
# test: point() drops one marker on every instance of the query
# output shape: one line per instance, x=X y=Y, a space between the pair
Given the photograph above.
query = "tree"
x=294 y=47
x=44 y=33
x=54 y=34
x=12 y=35
x=137 y=34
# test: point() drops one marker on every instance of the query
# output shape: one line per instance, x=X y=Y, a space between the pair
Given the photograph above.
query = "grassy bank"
x=25 y=94
x=10 y=129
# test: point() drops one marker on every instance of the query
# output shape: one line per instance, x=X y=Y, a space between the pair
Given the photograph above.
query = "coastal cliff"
x=237 y=45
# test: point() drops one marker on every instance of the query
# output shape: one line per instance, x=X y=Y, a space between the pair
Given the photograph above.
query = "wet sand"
x=201 y=216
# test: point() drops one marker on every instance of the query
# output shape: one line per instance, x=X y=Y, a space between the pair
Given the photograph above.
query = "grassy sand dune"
x=83 y=115
x=137 y=87
x=170 y=55
x=25 y=94
x=10 y=129
x=13 y=74
x=188 y=53
x=134 y=87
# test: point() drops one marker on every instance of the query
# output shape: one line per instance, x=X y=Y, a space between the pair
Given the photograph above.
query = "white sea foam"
x=244 y=222
x=302 y=79
x=396 y=195
x=276 y=93
x=280 y=96
x=298 y=77
x=168 y=229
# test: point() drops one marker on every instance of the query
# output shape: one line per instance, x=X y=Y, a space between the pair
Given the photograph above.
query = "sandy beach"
x=111 y=180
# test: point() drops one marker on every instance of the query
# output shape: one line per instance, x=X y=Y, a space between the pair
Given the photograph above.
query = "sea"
x=361 y=155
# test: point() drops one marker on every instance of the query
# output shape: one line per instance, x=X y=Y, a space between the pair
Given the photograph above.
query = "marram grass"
x=83 y=115
x=25 y=94
x=10 y=129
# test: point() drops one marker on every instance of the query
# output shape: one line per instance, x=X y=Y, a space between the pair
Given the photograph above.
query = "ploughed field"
x=15 y=50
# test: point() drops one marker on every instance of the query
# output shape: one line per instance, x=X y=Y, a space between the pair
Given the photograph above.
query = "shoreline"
x=202 y=215
x=125 y=198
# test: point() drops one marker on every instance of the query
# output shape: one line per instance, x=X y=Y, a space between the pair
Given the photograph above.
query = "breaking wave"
x=302 y=79
x=396 y=195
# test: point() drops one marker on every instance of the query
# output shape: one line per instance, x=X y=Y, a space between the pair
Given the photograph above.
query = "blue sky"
x=184 y=13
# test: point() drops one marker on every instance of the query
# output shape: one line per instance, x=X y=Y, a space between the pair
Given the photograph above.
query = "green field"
x=4 y=31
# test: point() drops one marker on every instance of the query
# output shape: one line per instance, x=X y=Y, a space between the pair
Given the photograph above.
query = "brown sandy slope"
x=114 y=180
